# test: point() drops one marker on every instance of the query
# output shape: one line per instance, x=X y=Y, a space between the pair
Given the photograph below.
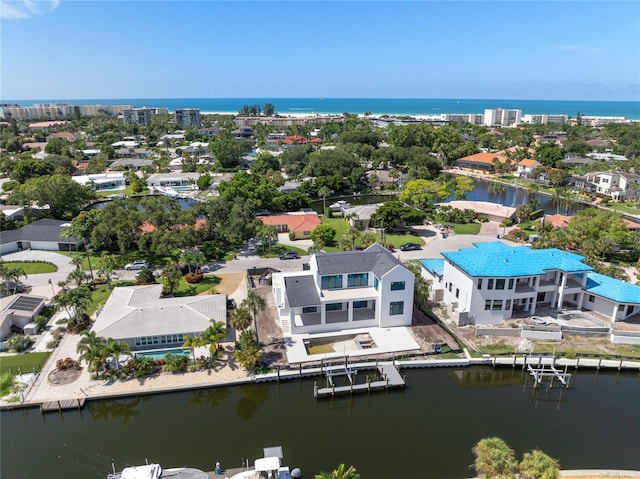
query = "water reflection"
x=251 y=399
x=211 y=398
x=123 y=409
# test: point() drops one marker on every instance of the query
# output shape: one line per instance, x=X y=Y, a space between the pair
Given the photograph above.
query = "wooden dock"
x=62 y=405
x=390 y=378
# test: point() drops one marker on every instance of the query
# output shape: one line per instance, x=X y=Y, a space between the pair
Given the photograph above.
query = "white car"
x=137 y=264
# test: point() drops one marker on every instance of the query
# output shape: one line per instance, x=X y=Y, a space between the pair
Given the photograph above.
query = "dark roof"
x=46 y=229
x=26 y=303
x=375 y=258
x=301 y=291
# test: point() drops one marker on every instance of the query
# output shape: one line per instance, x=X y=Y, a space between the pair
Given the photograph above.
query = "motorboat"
x=155 y=471
x=269 y=467
x=339 y=205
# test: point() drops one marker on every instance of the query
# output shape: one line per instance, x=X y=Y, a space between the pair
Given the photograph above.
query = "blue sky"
x=225 y=49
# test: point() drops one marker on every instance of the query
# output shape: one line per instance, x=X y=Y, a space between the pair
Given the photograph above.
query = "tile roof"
x=613 y=289
x=485 y=158
x=499 y=260
x=528 y=162
x=293 y=222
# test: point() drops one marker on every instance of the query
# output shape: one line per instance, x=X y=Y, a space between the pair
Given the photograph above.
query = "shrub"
x=292 y=236
x=145 y=276
x=67 y=363
x=41 y=321
x=193 y=277
x=175 y=363
x=56 y=335
x=19 y=343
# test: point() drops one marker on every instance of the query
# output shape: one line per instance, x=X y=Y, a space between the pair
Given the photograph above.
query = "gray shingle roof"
x=375 y=258
x=301 y=291
x=46 y=229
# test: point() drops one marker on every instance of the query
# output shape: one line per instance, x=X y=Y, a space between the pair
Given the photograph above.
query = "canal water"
x=426 y=430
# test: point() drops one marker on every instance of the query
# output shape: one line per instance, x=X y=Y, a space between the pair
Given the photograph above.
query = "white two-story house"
x=615 y=184
x=345 y=290
x=486 y=283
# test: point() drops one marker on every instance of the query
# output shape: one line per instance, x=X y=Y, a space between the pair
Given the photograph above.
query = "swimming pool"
x=161 y=353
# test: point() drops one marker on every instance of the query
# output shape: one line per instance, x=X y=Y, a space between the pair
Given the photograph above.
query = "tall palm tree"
x=171 y=277
x=353 y=234
x=91 y=348
x=342 y=472
x=213 y=335
x=115 y=349
x=193 y=342
x=254 y=303
x=323 y=192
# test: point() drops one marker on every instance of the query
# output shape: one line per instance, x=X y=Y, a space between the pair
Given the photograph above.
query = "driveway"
x=45 y=284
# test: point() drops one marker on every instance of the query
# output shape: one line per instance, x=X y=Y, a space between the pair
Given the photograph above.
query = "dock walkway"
x=390 y=378
x=61 y=405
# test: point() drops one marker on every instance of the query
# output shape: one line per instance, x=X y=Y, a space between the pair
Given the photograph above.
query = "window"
x=331 y=282
x=507 y=305
x=480 y=283
x=309 y=309
x=499 y=283
x=397 y=285
x=591 y=298
x=490 y=284
x=487 y=305
x=333 y=307
x=396 y=307
x=375 y=283
x=457 y=293
x=450 y=286
x=358 y=279
x=359 y=304
x=511 y=283
x=497 y=305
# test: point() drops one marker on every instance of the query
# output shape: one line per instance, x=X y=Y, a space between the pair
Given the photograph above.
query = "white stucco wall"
x=399 y=273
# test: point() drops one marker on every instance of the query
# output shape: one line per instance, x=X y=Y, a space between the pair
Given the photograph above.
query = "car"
x=137 y=264
x=289 y=255
x=156 y=273
x=410 y=247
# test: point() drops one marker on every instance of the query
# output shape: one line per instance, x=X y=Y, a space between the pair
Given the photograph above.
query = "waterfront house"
x=142 y=318
x=615 y=184
x=360 y=216
x=486 y=209
x=102 y=181
x=345 y=290
x=489 y=282
x=526 y=167
x=17 y=313
x=482 y=161
x=176 y=181
x=300 y=224
x=44 y=234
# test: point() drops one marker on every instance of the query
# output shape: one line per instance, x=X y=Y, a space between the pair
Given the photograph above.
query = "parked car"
x=289 y=255
x=137 y=264
x=410 y=247
x=156 y=273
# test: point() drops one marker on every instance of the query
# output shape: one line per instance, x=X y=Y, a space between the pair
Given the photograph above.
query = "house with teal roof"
x=489 y=282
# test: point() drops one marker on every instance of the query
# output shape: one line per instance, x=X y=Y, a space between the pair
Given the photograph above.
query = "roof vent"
x=506 y=260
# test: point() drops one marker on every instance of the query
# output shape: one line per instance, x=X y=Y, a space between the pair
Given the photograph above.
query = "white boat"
x=339 y=205
x=269 y=466
x=155 y=471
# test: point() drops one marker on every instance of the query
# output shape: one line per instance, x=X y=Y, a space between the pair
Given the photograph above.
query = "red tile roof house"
x=300 y=224
x=562 y=221
x=481 y=161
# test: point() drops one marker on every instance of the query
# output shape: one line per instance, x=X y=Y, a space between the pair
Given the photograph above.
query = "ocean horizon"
x=375 y=106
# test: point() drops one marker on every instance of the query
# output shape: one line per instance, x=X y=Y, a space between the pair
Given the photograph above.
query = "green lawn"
x=395 y=239
x=124 y=259
x=625 y=208
x=25 y=361
x=127 y=191
x=466 y=229
x=276 y=249
x=33 y=267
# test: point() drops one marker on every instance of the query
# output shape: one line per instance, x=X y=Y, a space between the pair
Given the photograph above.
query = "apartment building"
x=188 y=117
x=615 y=184
x=140 y=116
x=545 y=119
x=501 y=117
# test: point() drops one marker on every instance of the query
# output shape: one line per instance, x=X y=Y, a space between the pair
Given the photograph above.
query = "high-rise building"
x=188 y=117
x=141 y=116
x=500 y=117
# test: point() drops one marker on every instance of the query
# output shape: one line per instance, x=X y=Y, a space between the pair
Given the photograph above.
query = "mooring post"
x=577 y=362
x=524 y=361
x=620 y=365
x=494 y=360
x=278 y=370
x=315 y=389
x=599 y=363
x=514 y=360
x=300 y=369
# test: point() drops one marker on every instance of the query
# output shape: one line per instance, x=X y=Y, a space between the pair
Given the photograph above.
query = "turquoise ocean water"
x=391 y=106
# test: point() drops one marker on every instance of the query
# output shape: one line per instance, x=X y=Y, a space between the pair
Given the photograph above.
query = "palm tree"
x=556 y=199
x=353 y=234
x=193 y=342
x=11 y=275
x=171 y=277
x=240 y=318
x=74 y=301
x=537 y=465
x=254 y=303
x=91 y=349
x=323 y=192
x=342 y=472
x=213 y=335
x=115 y=349
x=494 y=458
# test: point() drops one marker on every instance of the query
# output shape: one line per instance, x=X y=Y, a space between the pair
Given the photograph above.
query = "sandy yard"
x=229 y=282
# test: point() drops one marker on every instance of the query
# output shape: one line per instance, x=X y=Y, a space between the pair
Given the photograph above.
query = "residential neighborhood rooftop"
x=498 y=259
x=614 y=289
x=376 y=258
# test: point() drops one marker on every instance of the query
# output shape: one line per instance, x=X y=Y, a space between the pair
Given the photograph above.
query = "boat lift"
x=551 y=372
